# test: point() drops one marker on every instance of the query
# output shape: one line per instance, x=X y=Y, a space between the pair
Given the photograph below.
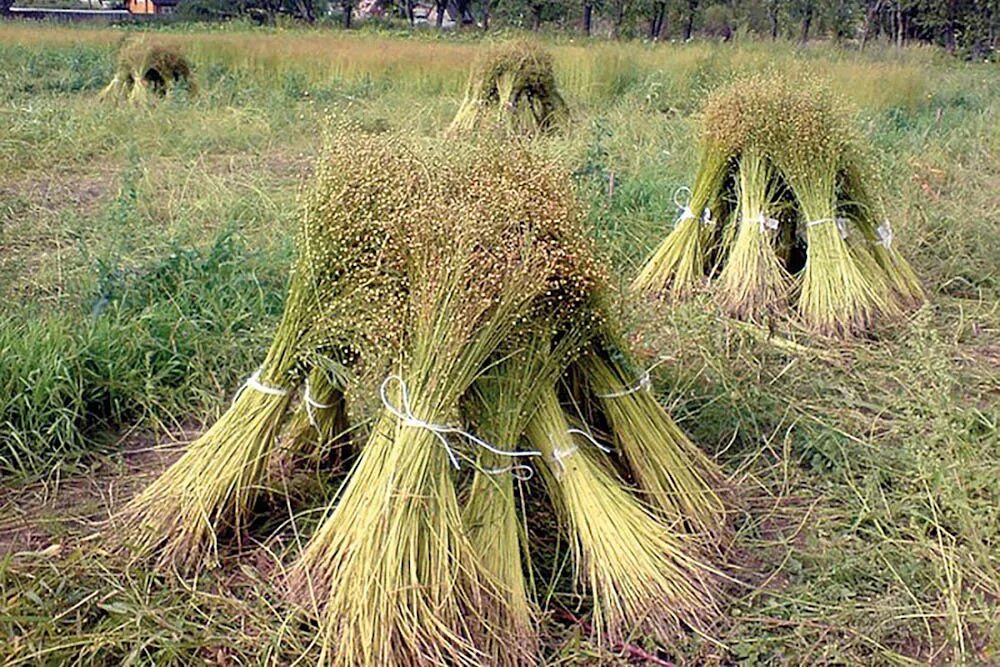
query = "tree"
x=872 y=9
x=618 y=17
x=773 y=13
x=347 y=6
x=657 y=20
x=692 y=10
x=487 y=8
x=5 y=6
x=536 y=15
x=805 y=11
x=305 y=10
x=588 y=17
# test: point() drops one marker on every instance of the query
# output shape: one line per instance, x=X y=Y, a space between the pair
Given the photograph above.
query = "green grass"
x=143 y=260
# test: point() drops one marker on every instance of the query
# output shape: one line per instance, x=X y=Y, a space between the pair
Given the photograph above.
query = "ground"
x=143 y=260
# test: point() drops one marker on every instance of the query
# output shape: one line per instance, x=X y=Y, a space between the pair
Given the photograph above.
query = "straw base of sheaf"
x=209 y=492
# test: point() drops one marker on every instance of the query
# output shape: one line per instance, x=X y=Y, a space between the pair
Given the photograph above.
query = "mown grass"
x=143 y=257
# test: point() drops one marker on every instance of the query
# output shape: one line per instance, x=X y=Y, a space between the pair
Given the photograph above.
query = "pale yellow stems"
x=899 y=275
x=211 y=489
x=390 y=572
x=837 y=296
x=641 y=573
x=319 y=423
x=753 y=283
x=677 y=266
x=491 y=521
x=675 y=475
x=512 y=87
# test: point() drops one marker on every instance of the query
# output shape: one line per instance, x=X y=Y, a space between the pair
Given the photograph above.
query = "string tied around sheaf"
x=643 y=383
x=254 y=384
x=312 y=405
x=766 y=223
x=840 y=222
x=685 y=210
x=686 y=213
x=405 y=414
x=884 y=234
x=559 y=455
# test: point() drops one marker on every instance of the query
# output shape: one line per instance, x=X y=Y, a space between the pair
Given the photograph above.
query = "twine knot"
x=405 y=414
x=840 y=222
x=643 y=383
x=253 y=382
x=884 y=234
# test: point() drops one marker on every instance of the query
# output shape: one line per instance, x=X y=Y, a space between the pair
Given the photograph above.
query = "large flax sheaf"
x=451 y=297
x=784 y=215
x=512 y=87
x=148 y=69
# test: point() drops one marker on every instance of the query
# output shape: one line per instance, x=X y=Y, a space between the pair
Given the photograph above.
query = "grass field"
x=143 y=260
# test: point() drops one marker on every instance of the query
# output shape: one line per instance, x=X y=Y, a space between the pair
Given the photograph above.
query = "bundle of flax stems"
x=512 y=87
x=456 y=321
x=783 y=215
x=146 y=70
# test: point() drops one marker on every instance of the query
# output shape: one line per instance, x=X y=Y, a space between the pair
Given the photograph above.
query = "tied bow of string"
x=405 y=414
x=560 y=455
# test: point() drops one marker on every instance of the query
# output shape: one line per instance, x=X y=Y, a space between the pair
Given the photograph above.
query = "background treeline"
x=970 y=28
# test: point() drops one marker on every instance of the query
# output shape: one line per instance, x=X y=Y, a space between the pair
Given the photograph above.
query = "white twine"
x=884 y=233
x=644 y=383
x=439 y=430
x=766 y=223
x=522 y=473
x=312 y=405
x=592 y=439
x=685 y=209
x=559 y=454
x=253 y=382
x=840 y=222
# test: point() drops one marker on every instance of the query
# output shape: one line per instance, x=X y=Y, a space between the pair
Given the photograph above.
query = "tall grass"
x=147 y=343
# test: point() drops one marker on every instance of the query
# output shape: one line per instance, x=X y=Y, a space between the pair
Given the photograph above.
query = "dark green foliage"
x=149 y=340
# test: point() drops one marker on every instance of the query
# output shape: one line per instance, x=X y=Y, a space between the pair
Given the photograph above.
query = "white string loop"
x=679 y=191
x=644 y=383
x=253 y=382
x=685 y=209
x=592 y=439
x=405 y=414
x=521 y=472
x=840 y=222
x=312 y=405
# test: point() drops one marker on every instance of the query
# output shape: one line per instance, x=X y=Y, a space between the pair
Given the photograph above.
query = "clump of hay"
x=782 y=215
x=512 y=87
x=447 y=307
x=147 y=70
